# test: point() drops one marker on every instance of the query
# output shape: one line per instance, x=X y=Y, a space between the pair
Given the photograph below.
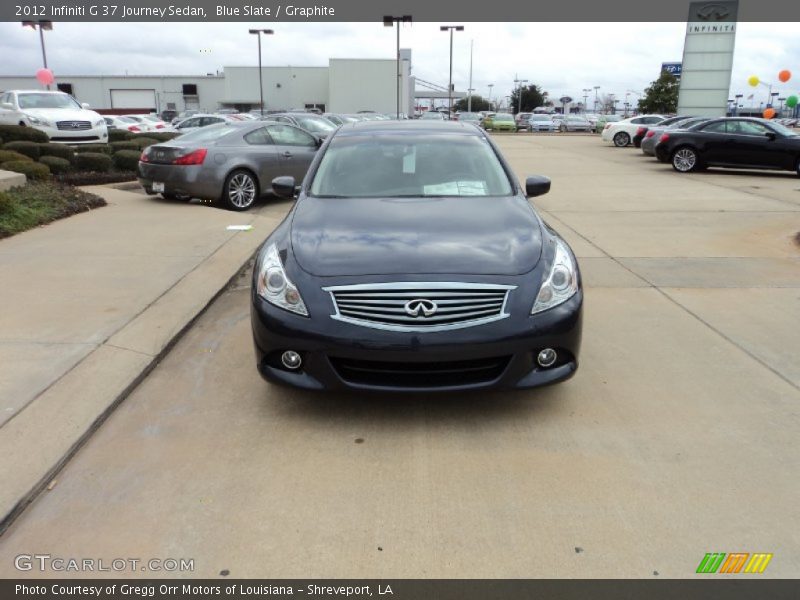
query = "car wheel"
x=240 y=190
x=622 y=139
x=563 y=129
x=685 y=160
x=798 y=167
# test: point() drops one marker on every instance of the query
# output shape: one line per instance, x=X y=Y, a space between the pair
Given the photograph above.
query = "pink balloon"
x=45 y=76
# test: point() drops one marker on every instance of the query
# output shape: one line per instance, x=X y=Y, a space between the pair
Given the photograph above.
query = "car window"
x=5 y=98
x=365 y=166
x=259 y=137
x=205 y=121
x=207 y=134
x=287 y=135
x=193 y=122
x=715 y=127
x=319 y=125
x=637 y=121
x=747 y=128
x=283 y=119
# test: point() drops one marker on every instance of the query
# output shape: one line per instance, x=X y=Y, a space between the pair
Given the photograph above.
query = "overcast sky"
x=563 y=58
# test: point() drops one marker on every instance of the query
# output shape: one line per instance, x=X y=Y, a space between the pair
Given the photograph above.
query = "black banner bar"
x=374 y=10
x=707 y=588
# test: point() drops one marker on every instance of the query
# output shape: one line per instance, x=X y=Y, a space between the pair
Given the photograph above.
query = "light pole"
x=596 y=89
x=519 y=98
x=42 y=26
x=389 y=21
x=586 y=92
x=491 y=85
x=469 y=89
x=257 y=33
x=451 y=29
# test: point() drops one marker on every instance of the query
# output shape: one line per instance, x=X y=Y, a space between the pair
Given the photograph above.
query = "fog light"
x=546 y=357
x=291 y=360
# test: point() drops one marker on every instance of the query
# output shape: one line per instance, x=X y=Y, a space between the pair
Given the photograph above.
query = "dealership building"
x=345 y=85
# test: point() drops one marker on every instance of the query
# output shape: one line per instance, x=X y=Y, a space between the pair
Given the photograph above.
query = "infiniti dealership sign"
x=708 y=58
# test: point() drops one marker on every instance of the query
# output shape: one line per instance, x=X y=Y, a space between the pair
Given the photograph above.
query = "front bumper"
x=195 y=181
x=95 y=135
x=344 y=356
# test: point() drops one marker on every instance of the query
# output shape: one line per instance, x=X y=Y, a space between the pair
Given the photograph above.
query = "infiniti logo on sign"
x=416 y=308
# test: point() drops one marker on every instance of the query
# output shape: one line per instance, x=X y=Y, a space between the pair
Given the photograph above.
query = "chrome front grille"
x=73 y=125
x=419 y=306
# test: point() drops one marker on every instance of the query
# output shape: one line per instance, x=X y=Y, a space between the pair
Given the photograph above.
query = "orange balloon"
x=785 y=75
x=769 y=113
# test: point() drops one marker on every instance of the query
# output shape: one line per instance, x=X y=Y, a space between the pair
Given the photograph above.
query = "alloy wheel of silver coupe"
x=684 y=160
x=240 y=192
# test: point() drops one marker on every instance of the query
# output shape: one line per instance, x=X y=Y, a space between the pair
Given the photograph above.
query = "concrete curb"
x=9 y=179
x=43 y=438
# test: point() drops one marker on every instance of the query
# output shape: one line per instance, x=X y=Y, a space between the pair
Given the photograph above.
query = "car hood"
x=63 y=114
x=370 y=236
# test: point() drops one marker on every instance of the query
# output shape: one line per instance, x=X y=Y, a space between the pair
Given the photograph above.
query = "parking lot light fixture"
x=257 y=33
x=519 y=83
x=389 y=21
x=450 y=28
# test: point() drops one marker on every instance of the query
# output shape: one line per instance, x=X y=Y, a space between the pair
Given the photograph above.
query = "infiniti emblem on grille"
x=424 y=307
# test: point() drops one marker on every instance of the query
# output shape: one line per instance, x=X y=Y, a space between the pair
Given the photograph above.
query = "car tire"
x=563 y=129
x=685 y=159
x=797 y=168
x=240 y=190
x=621 y=139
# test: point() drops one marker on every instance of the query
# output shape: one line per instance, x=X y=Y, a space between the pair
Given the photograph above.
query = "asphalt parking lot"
x=678 y=436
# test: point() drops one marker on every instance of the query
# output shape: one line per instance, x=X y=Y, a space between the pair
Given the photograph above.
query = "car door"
x=751 y=146
x=261 y=151
x=296 y=148
x=714 y=142
x=7 y=112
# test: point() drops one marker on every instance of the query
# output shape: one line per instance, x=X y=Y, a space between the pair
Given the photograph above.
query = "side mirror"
x=536 y=185
x=319 y=141
x=283 y=186
x=85 y=105
x=771 y=135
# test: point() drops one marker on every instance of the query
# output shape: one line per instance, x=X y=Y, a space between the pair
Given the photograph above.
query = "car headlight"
x=38 y=121
x=99 y=122
x=561 y=283
x=275 y=287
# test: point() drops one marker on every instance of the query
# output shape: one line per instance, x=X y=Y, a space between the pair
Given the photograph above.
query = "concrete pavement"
x=89 y=305
x=677 y=437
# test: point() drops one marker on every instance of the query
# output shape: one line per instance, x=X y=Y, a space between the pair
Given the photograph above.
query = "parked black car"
x=413 y=261
x=654 y=132
x=731 y=142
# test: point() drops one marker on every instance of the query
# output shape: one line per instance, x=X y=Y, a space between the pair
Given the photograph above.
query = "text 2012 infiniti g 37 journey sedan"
x=412 y=261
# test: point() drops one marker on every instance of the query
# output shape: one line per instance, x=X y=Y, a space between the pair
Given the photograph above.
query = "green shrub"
x=9 y=155
x=103 y=148
x=55 y=164
x=127 y=145
x=93 y=161
x=160 y=136
x=127 y=160
x=31 y=170
x=18 y=133
x=59 y=150
x=118 y=135
x=143 y=142
x=27 y=148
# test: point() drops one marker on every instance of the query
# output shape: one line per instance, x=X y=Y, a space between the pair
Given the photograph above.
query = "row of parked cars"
x=691 y=143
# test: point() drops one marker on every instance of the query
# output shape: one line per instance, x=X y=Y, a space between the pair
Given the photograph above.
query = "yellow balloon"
x=753 y=80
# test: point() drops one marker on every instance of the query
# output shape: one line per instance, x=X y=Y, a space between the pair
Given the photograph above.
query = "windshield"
x=315 y=124
x=469 y=116
x=503 y=117
x=539 y=118
x=209 y=133
x=386 y=165
x=432 y=115
x=35 y=100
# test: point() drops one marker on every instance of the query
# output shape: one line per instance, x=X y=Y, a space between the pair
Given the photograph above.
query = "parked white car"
x=57 y=114
x=123 y=122
x=198 y=121
x=621 y=132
